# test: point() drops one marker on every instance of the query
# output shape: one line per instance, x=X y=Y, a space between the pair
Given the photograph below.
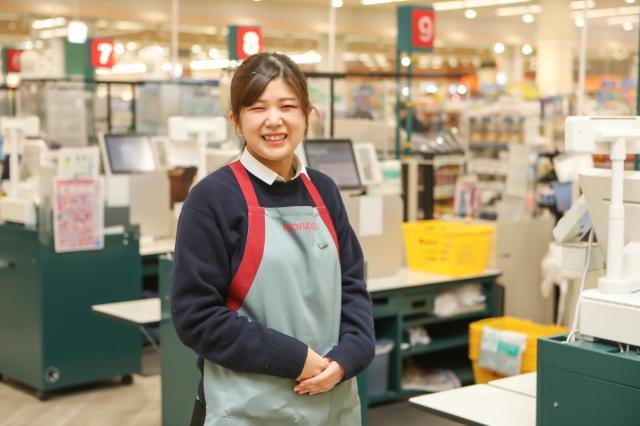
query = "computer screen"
x=335 y=158
x=596 y=186
x=130 y=153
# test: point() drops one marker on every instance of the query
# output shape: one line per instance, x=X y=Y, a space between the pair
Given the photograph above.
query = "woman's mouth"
x=275 y=138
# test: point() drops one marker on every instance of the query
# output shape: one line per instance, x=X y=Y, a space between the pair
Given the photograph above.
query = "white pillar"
x=555 y=48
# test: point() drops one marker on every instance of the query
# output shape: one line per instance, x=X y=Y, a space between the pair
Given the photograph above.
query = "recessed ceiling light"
x=527 y=49
x=470 y=13
x=498 y=48
x=528 y=18
x=580 y=22
x=337 y=3
x=627 y=26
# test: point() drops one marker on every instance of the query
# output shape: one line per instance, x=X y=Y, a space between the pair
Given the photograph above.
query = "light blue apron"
x=289 y=280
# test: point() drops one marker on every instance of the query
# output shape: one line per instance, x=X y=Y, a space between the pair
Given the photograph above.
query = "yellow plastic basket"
x=448 y=248
x=529 y=357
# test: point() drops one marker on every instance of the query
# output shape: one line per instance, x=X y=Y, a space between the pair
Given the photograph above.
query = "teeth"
x=273 y=137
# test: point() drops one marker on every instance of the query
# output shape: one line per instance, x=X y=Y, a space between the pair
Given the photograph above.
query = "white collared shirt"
x=264 y=173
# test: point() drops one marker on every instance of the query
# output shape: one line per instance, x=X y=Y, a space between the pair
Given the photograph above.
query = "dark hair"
x=254 y=75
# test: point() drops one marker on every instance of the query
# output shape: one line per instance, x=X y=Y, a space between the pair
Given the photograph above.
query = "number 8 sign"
x=249 y=41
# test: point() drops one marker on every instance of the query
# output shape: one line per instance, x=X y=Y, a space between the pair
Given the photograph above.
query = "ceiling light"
x=627 y=26
x=580 y=22
x=41 y=24
x=405 y=61
x=462 y=89
x=518 y=10
x=405 y=91
x=77 y=32
x=119 y=49
x=470 y=13
x=456 y=5
x=372 y=2
x=311 y=57
x=498 y=48
x=214 y=53
x=501 y=78
x=630 y=1
x=579 y=4
x=528 y=18
x=131 y=46
x=337 y=3
x=196 y=48
x=527 y=49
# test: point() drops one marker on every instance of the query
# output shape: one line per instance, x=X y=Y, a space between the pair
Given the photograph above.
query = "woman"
x=268 y=284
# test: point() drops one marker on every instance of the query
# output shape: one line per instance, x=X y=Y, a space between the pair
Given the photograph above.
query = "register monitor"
x=596 y=186
x=334 y=157
x=127 y=154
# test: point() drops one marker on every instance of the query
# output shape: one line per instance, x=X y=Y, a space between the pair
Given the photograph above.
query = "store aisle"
x=139 y=405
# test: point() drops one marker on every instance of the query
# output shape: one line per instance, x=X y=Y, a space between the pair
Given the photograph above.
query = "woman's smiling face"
x=273 y=126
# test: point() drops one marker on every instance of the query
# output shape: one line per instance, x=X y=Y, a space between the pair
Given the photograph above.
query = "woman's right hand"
x=313 y=365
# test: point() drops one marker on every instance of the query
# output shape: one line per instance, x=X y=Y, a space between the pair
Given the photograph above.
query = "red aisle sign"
x=423 y=28
x=248 y=41
x=13 y=60
x=102 y=53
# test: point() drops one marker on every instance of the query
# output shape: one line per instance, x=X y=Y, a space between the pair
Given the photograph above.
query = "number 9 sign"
x=423 y=28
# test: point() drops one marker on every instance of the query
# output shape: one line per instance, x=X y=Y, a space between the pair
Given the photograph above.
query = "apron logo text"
x=300 y=226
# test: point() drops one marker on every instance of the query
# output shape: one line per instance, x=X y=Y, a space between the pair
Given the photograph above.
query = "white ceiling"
x=291 y=21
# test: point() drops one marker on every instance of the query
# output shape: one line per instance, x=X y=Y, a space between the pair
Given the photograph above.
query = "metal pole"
x=174 y=37
x=583 y=61
x=328 y=119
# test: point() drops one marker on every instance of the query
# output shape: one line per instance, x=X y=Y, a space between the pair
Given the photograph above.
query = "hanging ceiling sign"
x=102 y=53
x=11 y=60
x=416 y=29
x=244 y=42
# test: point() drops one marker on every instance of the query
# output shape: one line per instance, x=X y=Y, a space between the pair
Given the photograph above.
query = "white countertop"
x=136 y=312
x=522 y=383
x=410 y=278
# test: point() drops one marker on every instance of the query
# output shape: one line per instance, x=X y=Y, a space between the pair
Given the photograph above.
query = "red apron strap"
x=254 y=248
x=322 y=209
x=245 y=183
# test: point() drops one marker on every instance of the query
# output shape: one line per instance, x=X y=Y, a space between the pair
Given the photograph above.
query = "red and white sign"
x=423 y=28
x=13 y=60
x=248 y=41
x=102 y=53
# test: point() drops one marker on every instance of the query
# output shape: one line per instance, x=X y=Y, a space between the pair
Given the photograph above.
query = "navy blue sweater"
x=210 y=243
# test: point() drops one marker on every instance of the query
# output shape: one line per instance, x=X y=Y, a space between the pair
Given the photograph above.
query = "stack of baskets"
x=448 y=248
x=529 y=357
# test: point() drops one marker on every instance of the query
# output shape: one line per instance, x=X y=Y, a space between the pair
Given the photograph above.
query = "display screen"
x=334 y=158
x=130 y=153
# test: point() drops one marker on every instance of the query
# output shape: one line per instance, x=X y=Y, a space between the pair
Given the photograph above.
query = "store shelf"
x=439 y=344
x=433 y=319
x=500 y=146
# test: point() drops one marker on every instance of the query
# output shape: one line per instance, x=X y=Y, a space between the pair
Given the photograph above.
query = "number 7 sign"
x=102 y=53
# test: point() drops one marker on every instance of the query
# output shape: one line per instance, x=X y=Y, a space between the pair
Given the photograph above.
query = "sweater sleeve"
x=200 y=279
x=356 y=347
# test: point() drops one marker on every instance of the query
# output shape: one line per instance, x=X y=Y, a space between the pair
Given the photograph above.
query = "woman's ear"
x=235 y=123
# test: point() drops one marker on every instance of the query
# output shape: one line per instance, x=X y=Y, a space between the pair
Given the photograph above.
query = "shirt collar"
x=264 y=173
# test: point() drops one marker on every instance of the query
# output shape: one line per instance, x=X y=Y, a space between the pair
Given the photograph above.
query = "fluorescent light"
x=373 y=2
x=579 y=4
x=619 y=20
x=138 y=68
x=41 y=24
x=518 y=10
x=306 y=58
x=77 y=32
x=337 y=3
x=53 y=33
x=465 y=4
x=470 y=13
x=209 y=64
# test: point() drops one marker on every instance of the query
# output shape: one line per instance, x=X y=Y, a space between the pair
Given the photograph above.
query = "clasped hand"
x=318 y=375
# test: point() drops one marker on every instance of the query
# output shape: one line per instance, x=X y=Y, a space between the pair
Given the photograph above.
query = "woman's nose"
x=273 y=117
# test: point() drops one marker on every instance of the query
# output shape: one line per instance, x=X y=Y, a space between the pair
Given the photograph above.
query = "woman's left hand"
x=323 y=382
